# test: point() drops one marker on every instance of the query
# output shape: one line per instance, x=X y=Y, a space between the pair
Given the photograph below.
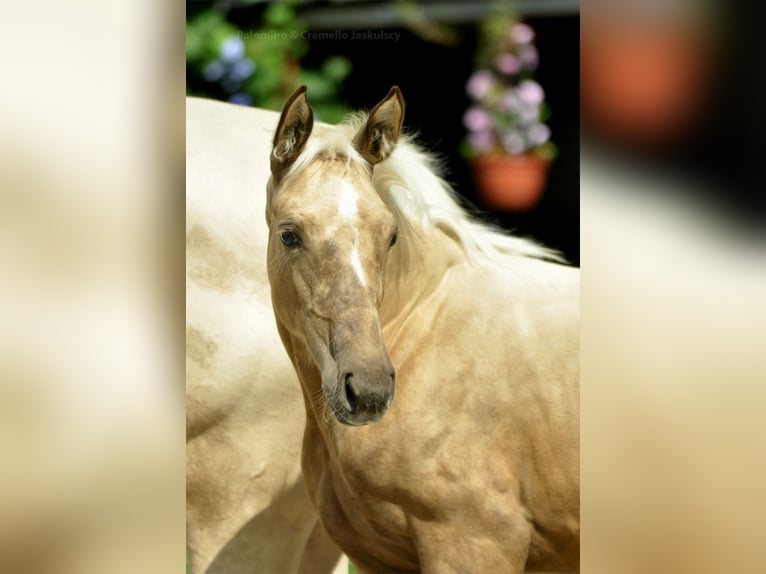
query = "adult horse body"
x=380 y=282
x=247 y=505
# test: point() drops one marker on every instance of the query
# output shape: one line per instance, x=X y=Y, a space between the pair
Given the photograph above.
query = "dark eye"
x=290 y=238
x=394 y=237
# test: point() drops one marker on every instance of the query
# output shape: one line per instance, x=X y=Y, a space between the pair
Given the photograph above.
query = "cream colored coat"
x=247 y=505
x=474 y=465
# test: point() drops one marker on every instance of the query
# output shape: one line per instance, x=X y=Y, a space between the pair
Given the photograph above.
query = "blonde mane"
x=409 y=183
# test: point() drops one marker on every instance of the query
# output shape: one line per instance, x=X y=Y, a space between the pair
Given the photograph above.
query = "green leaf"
x=331 y=112
x=319 y=87
x=198 y=32
x=279 y=14
x=548 y=150
x=336 y=68
x=277 y=49
x=205 y=34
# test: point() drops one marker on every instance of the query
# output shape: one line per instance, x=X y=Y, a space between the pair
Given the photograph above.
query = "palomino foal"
x=439 y=371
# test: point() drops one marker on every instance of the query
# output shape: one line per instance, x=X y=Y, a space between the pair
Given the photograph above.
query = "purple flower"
x=477 y=120
x=530 y=93
x=232 y=49
x=538 y=134
x=522 y=34
x=507 y=64
x=214 y=71
x=513 y=143
x=479 y=84
x=482 y=141
x=528 y=56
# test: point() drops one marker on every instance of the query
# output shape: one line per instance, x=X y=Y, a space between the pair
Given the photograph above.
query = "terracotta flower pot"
x=644 y=83
x=513 y=183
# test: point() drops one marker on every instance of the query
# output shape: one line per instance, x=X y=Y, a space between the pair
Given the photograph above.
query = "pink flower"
x=529 y=113
x=522 y=34
x=530 y=93
x=508 y=101
x=479 y=84
x=477 y=120
x=538 y=134
x=528 y=57
x=507 y=64
x=481 y=141
x=513 y=143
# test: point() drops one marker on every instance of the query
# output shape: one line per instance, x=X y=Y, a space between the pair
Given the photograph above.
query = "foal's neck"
x=407 y=288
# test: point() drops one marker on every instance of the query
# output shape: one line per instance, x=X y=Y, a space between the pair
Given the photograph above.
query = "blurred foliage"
x=417 y=22
x=260 y=66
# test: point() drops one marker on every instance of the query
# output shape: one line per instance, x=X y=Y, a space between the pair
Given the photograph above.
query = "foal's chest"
x=366 y=522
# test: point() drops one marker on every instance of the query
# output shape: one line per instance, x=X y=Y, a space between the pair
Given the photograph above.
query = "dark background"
x=433 y=77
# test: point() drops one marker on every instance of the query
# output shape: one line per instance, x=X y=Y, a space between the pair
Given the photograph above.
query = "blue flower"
x=242 y=99
x=242 y=70
x=232 y=49
x=214 y=71
x=231 y=85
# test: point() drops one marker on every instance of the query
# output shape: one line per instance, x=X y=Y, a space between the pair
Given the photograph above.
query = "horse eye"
x=394 y=237
x=290 y=238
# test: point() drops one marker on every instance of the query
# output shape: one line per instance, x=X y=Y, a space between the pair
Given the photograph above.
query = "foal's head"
x=330 y=234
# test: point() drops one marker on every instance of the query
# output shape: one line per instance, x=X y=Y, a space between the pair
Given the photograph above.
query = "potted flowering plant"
x=508 y=141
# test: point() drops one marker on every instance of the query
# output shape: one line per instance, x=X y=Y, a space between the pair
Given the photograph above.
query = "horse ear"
x=293 y=131
x=377 y=138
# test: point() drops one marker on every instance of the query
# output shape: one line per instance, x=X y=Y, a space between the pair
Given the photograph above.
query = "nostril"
x=391 y=379
x=350 y=394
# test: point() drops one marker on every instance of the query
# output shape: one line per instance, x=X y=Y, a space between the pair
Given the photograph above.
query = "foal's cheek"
x=296 y=298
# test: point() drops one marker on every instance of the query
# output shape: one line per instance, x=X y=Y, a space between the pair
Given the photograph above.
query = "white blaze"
x=348 y=203
x=348 y=208
x=357 y=265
